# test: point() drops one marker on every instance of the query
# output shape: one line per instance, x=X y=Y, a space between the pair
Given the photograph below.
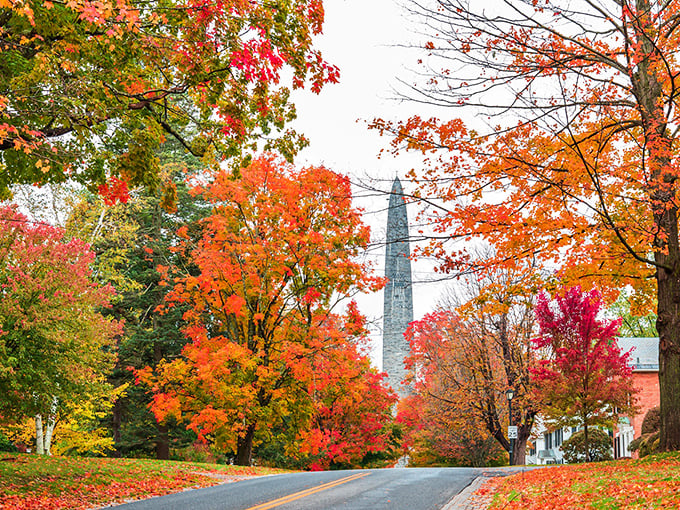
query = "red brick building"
x=645 y=362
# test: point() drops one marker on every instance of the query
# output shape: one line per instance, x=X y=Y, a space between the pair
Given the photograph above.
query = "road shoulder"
x=468 y=500
x=472 y=498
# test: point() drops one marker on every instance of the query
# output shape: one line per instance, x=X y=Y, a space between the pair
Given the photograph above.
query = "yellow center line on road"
x=306 y=492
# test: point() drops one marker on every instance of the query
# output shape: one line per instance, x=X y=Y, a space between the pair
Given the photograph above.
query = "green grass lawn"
x=649 y=483
x=37 y=482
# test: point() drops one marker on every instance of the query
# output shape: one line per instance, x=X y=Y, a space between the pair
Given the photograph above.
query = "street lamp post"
x=511 y=431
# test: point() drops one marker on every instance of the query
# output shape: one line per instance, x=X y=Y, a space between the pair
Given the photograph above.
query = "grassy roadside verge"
x=47 y=483
x=649 y=483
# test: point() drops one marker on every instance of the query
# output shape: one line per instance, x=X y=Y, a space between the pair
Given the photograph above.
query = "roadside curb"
x=468 y=500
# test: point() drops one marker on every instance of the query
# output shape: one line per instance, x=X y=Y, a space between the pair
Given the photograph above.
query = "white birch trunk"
x=51 y=423
x=49 y=430
x=39 y=438
x=45 y=431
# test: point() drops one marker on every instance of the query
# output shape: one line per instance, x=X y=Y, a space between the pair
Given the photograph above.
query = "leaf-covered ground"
x=649 y=483
x=41 y=483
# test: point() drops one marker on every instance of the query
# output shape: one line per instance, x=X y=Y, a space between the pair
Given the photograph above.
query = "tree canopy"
x=53 y=338
x=466 y=355
x=583 y=379
x=89 y=90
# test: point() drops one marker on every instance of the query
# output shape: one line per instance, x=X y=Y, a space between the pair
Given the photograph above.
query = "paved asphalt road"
x=377 y=489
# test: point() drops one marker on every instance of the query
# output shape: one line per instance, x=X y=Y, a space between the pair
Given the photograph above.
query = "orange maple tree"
x=579 y=173
x=277 y=255
x=435 y=433
x=352 y=407
x=465 y=356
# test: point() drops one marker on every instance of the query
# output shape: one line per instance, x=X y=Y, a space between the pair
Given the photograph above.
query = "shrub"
x=652 y=421
x=600 y=446
x=6 y=445
x=645 y=444
x=648 y=442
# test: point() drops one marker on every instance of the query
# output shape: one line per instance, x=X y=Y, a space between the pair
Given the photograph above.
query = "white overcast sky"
x=361 y=37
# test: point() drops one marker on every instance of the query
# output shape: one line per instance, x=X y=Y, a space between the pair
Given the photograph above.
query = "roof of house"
x=644 y=356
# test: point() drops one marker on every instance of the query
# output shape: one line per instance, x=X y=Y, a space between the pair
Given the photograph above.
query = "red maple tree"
x=583 y=379
x=55 y=345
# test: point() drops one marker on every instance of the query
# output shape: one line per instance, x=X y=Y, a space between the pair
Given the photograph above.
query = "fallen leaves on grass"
x=650 y=483
x=54 y=483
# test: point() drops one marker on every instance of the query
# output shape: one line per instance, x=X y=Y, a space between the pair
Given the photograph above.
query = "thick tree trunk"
x=668 y=326
x=244 y=451
x=650 y=97
x=519 y=452
x=162 y=442
x=668 y=312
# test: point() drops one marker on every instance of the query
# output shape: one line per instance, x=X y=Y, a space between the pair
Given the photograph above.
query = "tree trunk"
x=44 y=431
x=162 y=442
x=49 y=432
x=519 y=452
x=244 y=451
x=520 y=449
x=116 y=423
x=39 y=437
x=51 y=424
x=586 y=442
x=668 y=319
x=668 y=326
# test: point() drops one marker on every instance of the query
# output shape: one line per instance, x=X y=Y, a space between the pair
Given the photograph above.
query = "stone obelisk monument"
x=398 y=307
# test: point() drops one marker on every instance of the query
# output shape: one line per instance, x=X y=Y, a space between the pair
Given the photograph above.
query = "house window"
x=558 y=437
x=547 y=437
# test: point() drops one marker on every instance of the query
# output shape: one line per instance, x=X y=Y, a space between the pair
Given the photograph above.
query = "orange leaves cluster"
x=463 y=359
x=528 y=194
x=114 y=191
x=582 y=166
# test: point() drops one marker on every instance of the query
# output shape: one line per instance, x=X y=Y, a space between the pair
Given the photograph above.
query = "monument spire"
x=398 y=304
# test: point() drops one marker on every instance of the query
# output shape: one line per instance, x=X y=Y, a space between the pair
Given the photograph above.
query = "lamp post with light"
x=512 y=431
